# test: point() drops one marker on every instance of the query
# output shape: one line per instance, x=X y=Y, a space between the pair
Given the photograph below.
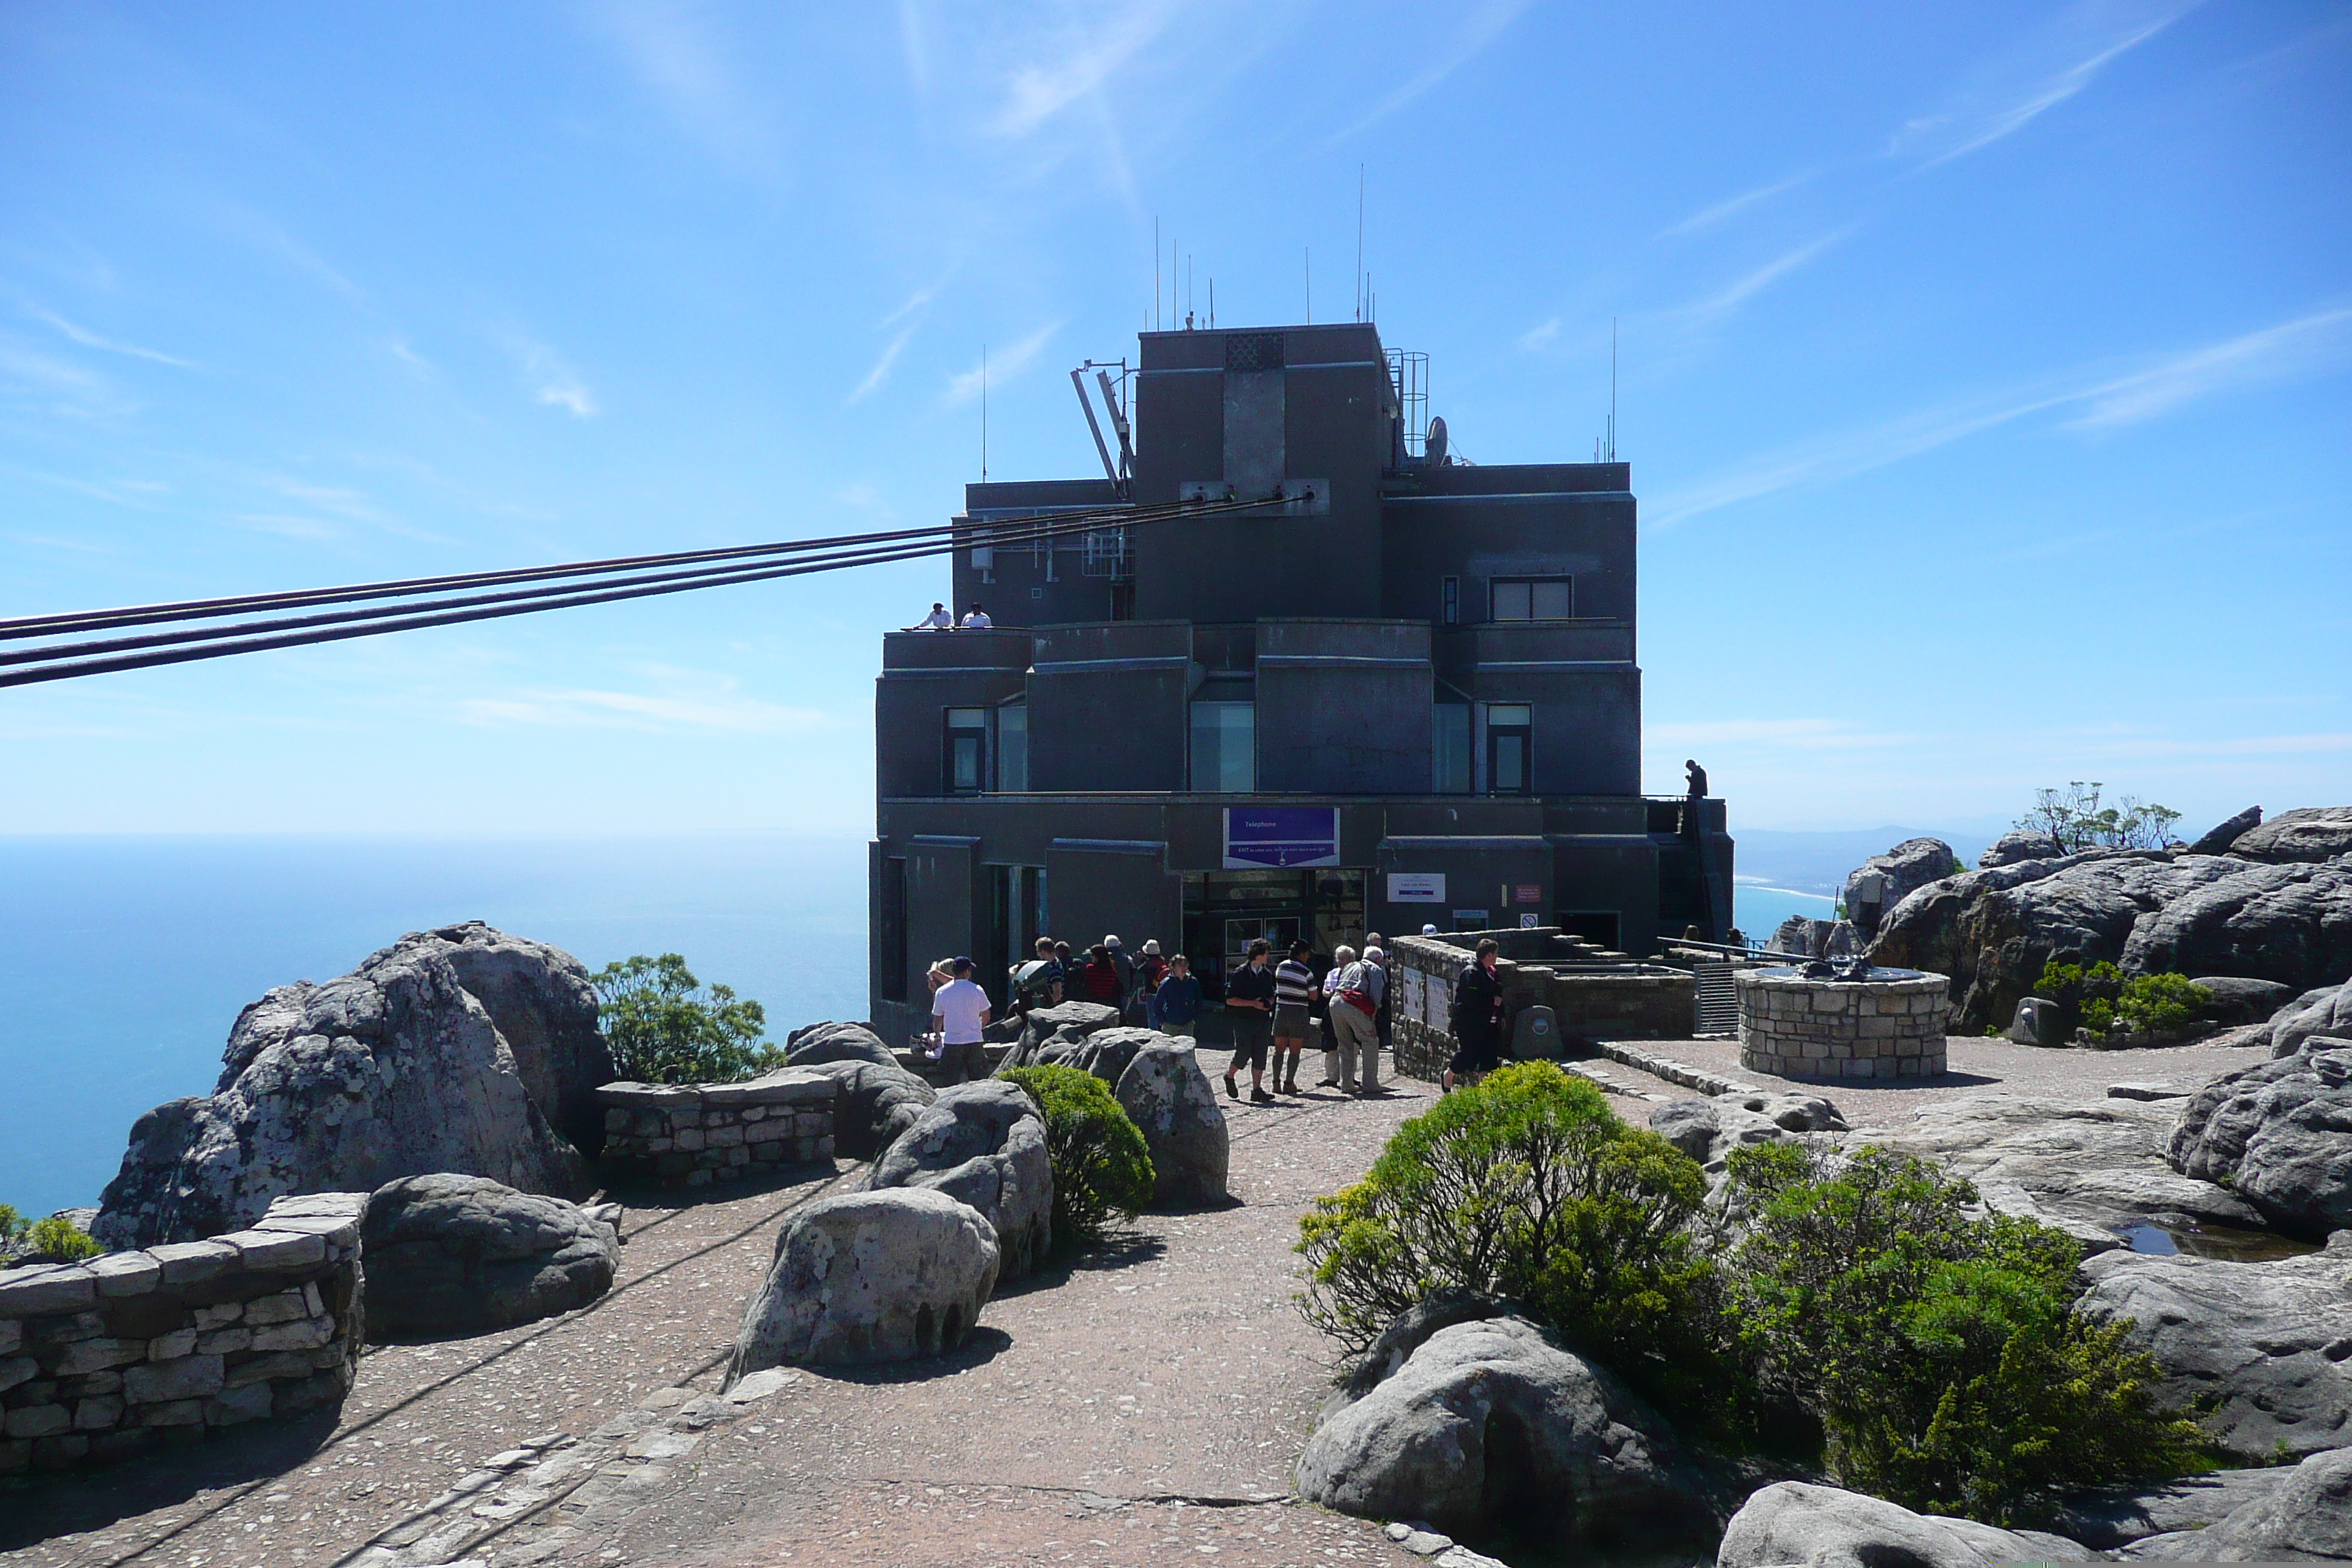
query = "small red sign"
x=1528 y=893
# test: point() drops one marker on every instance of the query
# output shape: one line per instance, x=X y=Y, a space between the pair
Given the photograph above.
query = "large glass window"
x=1224 y=749
x=1532 y=598
x=1013 y=747
x=1509 y=762
x=967 y=751
x=1452 y=749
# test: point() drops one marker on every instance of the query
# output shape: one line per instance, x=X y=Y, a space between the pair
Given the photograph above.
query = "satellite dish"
x=1434 y=448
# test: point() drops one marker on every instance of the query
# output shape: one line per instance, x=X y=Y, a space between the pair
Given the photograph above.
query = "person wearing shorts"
x=960 y=1012
x=1295 y=991
x=1249 y=1005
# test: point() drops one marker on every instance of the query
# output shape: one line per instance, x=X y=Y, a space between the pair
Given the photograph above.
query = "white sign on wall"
x=1416 y=886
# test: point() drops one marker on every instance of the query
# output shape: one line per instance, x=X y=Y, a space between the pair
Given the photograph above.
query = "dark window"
x=967 y=751
x=1013 y=747
x=1453 y=596
x=1531 y=598
x=1511 y=762
x=1452 y=749
x=890 y=930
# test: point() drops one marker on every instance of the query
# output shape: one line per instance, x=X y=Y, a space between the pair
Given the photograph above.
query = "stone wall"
x=693 y=1135
x=1589 y=1000
x=1795 y=1027
x=132 y=1351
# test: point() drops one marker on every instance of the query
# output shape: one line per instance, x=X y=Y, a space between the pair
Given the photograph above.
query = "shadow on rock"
x=39 y=1508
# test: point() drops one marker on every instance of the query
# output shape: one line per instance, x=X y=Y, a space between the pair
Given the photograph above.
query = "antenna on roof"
x=984 y=414
x=1360 y=242
x=1155 y=274
x=1613 y=389
x=1310 y=285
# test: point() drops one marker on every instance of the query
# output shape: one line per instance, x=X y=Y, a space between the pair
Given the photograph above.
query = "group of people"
x=942 y=619
x=1274 y=1009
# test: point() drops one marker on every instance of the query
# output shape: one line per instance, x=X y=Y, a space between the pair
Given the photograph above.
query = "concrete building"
x=1403 y=691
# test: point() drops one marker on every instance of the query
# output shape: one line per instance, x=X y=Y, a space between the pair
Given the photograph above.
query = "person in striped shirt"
x=1294 y=991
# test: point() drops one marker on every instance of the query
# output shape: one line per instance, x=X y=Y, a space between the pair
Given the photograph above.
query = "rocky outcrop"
x=983 y=1144
x=1794 y=1522
x=1801 y=937
x=869 y=1277
x=2327 y=1010
x=544 y=1006
x=1708 y=1130
x=1993 y=930
x=450 y=1254
x=1104 y=1052
x=1896 y=874
x=2280 y=1134
x=2310 y=835
x=2020 y=844
x=1065 y=1022
x=811 y=1045
x=2218 y=838
x=2269 y=1344
x=2236 y=1000
x=394 y=1069
x=1488 y=1426
x=2306 y=1517
x=2105 y=1521
x=1167 y=1096
x=2086 y=1167
x=874 y=1103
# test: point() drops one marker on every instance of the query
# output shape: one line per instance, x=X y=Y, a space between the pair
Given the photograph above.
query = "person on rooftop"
x=938 y=620
x=976 y=619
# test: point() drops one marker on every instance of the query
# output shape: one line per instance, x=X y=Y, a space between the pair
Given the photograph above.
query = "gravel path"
x=1154 y=1395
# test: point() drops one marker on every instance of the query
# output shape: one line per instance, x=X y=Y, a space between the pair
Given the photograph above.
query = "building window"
x=967 y=751
x=1450 y=591
x=890 y=929
x=1531 y=598
x=1511 y=762
x=1224 y=748
x=1452 y=749
x=1013 y=747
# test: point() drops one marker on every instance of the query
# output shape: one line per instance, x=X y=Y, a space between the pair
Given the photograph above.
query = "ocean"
x=124 y=962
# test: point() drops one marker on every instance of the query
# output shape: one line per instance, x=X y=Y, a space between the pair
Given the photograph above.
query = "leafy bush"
x=12 y=1223
x=2102 y=1000
x=62 y=1241
x=662 y=1026
x=1938 y=1352
x=2150 y=1003
x=1101 y=1165
x=1523 y=1185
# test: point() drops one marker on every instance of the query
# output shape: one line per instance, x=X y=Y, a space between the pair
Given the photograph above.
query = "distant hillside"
x=1818 y=862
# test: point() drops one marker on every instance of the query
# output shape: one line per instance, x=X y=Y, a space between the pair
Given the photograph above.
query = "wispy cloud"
x=1076 y=65
x=90 y=340
x=1003 y=365
x=678 y=53
x=418 y=365
x=1710 y=216
x=286 y=526
x=2307 y=345
x=880 y=375
x=554 y=383
x=2041 y=71
x=1468 y=36
x=683 y=700
x=1724 y=301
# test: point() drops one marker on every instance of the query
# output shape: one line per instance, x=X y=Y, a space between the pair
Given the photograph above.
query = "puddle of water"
x=2223 y=1242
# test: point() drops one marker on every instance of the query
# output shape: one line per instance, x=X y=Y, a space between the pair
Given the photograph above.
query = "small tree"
x=662 y=1026
x=1102 y=1168
x=2074 y=819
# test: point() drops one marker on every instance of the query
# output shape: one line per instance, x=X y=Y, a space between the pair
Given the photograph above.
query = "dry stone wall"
x=693 y=1135
x=132 y=1350
x=1793 y=1027
x=1621 y=1000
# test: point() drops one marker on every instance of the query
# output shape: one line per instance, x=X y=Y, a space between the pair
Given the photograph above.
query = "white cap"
x=1153 y=946
x=1111 y=941
x=1429 y=931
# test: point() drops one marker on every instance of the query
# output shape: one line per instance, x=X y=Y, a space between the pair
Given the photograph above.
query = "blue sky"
x=1983 y=369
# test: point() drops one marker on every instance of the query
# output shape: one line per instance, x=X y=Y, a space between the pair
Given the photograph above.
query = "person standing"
x=1294 y=991
x=1098 y=979
x=1249 y=1001
x=1354 y=1007
x=938 y=620
x=1176 y=1002
x=1376 y=950
x=1477 y=1017
x=960 y=1012
x=976 y=619
x=1341 y=956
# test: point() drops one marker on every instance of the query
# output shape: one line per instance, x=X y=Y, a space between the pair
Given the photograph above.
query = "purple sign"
x=1281 y=836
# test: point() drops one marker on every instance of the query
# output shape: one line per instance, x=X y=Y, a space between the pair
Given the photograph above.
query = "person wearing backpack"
x=1355 y=1015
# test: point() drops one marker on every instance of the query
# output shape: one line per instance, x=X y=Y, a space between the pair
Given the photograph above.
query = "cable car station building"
x=1404 y=691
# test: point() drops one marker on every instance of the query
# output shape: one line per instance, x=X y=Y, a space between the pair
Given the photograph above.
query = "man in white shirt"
x=976 y=619
x=938 y=620
x=960 y=1012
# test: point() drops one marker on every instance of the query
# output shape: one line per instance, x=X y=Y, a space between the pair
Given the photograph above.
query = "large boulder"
x=983 y=1144
x=2307 y=1517
x=2280 y=1134
x=2266 y=1343
x=874 y=1103
x=394 y=1069
x=2326 y=1010
x=2218 y=838
x=544 y=1006
x=869 y=1277
x=1893 y=877
x=2236 y=1000
x=2118 y=1516
x=2310 y=834
x=1708 y=1130
x=448 y=1254
x=1167 y=1096
x=2020 y=844
x=1490 y=1429
x=812 y=1045
x=1105 y=1053
x=1993 y=930
x=1791 y=1521
x=1063 y=1024
x=2087 y=1167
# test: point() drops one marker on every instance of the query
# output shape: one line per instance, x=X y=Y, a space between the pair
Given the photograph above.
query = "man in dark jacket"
x=1477 y=1017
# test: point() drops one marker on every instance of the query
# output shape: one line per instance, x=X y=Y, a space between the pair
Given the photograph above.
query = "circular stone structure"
x=1886 y=1024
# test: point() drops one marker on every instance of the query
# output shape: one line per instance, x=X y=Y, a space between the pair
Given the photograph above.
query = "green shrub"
x=2150 y=1003
x=62 y=1241
x=1523 y=1185
x=662 y=1026
x=1101 y=1165
x=1940 y=1351
x=12 y=1223
x=2102 y=1000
